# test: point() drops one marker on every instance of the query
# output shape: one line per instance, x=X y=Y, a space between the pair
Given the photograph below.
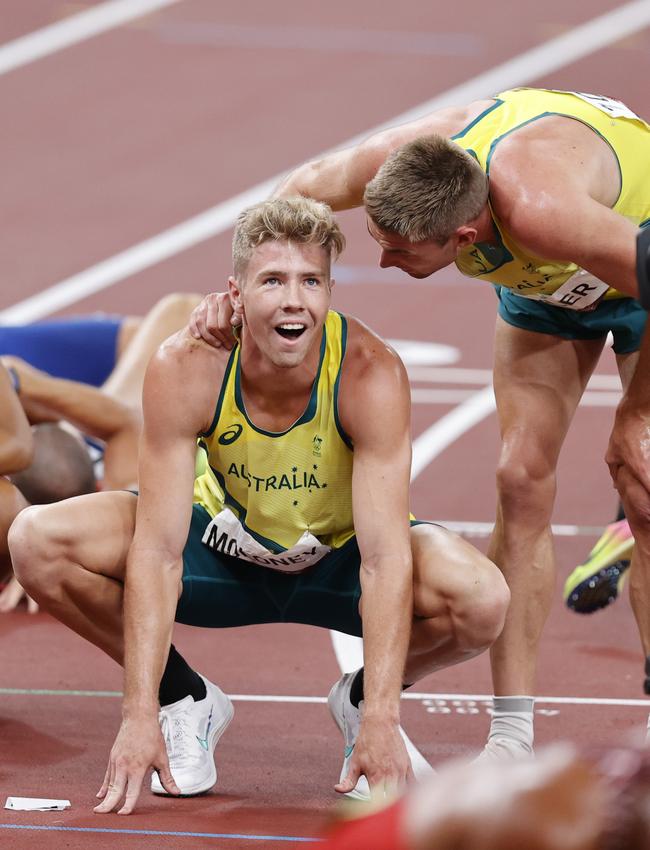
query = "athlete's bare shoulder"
x=374 y=382
x=186 y=352
x=554 y=153
x=366 y=350
x=369 y=359
x=186 y=374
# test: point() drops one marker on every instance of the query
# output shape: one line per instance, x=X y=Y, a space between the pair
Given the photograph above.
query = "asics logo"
x=230 y=435
x=204 y=741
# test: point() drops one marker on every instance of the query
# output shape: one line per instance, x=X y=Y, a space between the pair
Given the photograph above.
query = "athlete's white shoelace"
x=177 y=731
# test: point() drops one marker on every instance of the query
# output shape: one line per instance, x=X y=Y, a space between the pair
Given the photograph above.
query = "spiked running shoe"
x=598 y=582
x=191 y=731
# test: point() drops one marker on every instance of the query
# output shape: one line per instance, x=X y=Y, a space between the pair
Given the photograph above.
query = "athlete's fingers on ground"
x=108 y=778
x=32 y=607
x=166 y=778
x=133 y=788
x=114 y=794
x=383 y=785
x=348 y=783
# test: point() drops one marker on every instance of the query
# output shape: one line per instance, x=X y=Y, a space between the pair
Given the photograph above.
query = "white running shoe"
x=191 y=731
x=348 y=719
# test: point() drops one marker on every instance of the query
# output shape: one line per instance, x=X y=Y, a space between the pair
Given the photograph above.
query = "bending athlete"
x=540 y=193
x=300 y=439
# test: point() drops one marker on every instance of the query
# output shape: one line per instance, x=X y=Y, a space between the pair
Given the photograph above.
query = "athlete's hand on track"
x=139 y=746
x=213 y=320
x=379 y=755
x=11 y=596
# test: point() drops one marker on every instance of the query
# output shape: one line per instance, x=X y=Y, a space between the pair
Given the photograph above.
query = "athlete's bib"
x=225 y=534
x=612 y=107
x=582 y=291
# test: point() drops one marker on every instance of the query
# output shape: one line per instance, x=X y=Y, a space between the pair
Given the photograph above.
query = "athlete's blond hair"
x=293 y=219
x=426 y=189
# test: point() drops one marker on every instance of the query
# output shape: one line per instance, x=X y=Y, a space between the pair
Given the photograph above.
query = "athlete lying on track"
x=86 y=372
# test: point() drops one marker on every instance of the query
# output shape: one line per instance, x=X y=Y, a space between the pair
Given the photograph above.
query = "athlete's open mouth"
x=291 y=330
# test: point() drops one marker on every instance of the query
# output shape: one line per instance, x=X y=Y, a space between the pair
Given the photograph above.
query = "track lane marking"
x=160 y=833
x=73 y=30
x=319 y=700
x=525 y=68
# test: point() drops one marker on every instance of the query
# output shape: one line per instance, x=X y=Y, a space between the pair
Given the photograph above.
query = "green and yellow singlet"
x=507 y=263
x=282 y=500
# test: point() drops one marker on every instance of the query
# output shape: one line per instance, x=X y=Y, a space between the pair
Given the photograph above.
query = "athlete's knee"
x=37 y=545
x=457 y=584
x=525 y=479
x=480 y=609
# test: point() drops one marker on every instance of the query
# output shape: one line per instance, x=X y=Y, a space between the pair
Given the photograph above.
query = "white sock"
x=512 y=718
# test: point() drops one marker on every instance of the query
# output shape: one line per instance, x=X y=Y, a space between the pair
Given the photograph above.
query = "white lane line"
x=423 y=353
x=454 y=396
x=328 y=39
x=450 y=427
x=604 y=701
x=529 y=66
x=139 y=257
x=50 y=39
x=455 y=375
x=307 y=700
x=484 y=529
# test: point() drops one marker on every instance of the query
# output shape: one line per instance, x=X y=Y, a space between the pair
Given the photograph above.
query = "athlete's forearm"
x=338 y=179
x=150 y=598
x=387 y=602
x=323 y=180
x=84 y=406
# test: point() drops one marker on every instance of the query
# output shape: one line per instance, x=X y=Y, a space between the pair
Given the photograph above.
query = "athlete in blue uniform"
x=80 y=348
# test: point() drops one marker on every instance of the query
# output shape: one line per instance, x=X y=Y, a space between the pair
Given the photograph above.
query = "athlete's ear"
x=235 y=293
x=465 y=236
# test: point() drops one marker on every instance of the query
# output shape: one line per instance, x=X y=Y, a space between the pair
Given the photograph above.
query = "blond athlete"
x=540 y=193
x=305 y=424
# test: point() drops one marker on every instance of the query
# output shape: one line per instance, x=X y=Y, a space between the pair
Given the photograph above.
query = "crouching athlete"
x=302 y=515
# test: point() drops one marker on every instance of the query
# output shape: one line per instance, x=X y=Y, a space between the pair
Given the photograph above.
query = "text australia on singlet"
x=225 y=533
